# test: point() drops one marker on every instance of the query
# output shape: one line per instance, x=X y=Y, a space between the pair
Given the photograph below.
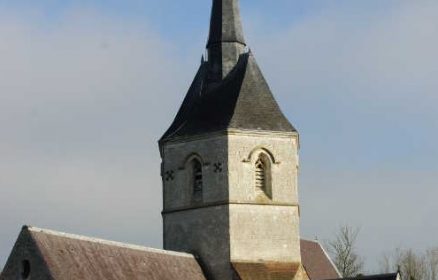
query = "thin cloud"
x=82 y=105
x=362 y=89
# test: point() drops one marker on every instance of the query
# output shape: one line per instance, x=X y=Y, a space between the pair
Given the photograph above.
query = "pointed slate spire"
x=226 y=41
x=229 y=90
x=225 y=24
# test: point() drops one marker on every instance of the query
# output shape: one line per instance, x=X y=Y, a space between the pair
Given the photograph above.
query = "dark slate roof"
x=225 y=24
x=229 y=90
x=387 y=276
x=243 y=100
x=77 y=257
x=317 y=262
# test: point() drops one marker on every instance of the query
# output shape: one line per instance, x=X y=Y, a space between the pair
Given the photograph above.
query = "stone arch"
x=189 y=158
x=260 y=149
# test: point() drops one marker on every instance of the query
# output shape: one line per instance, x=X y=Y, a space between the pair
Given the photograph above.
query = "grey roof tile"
x=68 y=256
x=316 y=262
x=225 y=23
x=220 y=99
x=243 y=100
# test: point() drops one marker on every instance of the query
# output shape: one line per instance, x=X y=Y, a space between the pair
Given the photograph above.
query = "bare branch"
x=343 y=251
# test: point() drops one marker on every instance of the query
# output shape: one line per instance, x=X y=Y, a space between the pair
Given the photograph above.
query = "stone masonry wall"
x=203 y=232
x=242 y=153
x=176 y=173
x=264 y=228
x=232 y=222
x=264 y=233
x=199 y=227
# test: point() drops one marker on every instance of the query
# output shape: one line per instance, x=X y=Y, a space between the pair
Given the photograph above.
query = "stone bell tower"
x=229 y=166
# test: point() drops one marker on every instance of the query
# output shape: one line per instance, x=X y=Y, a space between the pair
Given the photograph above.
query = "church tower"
x=229 y=166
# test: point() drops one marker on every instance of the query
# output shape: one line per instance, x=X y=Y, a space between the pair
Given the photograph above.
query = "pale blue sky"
x=187 y=19
x=87 y=88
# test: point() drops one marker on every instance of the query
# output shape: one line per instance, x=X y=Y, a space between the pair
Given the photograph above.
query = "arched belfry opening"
x=263 y=175
x=197 y=178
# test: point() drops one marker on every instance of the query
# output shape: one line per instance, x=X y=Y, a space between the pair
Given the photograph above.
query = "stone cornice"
x=255 y=133
x=226 y=203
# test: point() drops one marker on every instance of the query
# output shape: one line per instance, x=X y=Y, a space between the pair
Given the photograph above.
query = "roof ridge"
x=330 y=259
x=105 y=242
x=309 y=240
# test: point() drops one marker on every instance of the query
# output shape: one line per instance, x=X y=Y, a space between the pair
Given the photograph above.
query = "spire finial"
x=225 y=24
x=226 y=42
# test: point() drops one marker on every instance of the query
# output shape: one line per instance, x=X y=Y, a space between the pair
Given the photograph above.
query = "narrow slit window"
x=260 y=176
x=197 y=177
x=25 y=269
x=263 y=176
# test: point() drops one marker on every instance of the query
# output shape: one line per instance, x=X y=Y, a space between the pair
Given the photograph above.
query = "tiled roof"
x=229 y=90
x=69 y=256
x=243 y=100
x=317 y=262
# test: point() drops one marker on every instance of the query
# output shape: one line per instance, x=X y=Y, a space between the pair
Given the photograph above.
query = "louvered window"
x=262 y=180
x=260 y=176
x=197 y=177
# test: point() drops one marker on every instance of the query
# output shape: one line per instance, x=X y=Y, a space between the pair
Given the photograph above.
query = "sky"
x=88 y=87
